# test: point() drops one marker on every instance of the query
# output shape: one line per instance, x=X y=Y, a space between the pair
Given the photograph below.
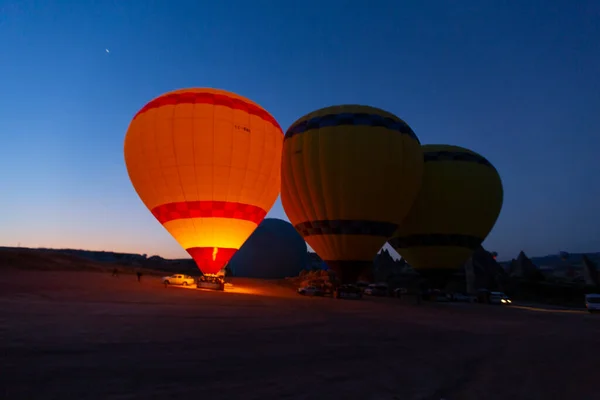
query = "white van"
x=592 y=302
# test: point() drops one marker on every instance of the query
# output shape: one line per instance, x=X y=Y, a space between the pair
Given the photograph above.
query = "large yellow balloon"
x=206 y=163
x=349 y=176
x=459 y=203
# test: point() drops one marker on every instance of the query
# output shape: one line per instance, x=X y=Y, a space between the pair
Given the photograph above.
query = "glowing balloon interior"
x=349 y=176
x=206 y=163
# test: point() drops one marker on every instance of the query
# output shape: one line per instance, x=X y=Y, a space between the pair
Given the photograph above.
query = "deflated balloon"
x=458 y=205
x=274 y=251
x=206 y=163
x=349 y=176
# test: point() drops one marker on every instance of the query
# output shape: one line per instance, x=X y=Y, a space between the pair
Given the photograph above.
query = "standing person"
x=115 y=272
x=139 y=276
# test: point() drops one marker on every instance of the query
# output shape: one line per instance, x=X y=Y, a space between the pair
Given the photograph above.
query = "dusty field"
x=86 y=335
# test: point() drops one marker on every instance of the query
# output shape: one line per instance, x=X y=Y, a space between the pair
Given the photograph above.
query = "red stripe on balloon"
x=211 y=260
x=208 y=209
x=174 y=99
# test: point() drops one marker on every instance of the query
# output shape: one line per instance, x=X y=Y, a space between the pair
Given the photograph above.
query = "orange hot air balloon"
x=206 y=163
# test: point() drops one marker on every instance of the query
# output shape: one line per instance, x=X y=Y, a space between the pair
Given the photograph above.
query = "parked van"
x=592 y=302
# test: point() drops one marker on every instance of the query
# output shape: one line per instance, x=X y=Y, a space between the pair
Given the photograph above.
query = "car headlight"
x=504 y=301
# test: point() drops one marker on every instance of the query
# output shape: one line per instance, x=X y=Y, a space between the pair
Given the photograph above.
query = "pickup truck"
x=178 y=279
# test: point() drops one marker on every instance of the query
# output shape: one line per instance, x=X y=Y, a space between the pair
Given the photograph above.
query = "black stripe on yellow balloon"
x=466 y=241
x=455 y=156
x=346 y=227
x=352 y=119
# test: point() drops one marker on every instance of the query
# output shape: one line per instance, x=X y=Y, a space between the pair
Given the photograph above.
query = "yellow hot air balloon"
x=206 y=163
x=349 y=176
x=457 y=207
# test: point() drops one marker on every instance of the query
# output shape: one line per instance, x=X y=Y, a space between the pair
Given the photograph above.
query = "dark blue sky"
x=518 y=82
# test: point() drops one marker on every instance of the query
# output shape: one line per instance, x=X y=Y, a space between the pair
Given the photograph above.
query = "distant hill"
x=556 y=261
x=42 y=258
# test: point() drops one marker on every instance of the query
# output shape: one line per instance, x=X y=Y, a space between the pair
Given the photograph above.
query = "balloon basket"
x=210 y=281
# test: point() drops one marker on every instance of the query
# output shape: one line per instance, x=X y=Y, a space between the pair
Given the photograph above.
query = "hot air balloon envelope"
x=457 y=207
x=349 y=176
x=206 y=162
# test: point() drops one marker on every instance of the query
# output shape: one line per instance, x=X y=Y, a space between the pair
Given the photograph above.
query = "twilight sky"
x=518 y=82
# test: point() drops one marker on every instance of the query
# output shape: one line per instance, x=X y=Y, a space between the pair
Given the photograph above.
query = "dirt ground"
x=87 y=335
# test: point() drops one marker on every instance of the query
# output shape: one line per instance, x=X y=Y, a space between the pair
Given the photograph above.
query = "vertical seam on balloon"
x=249 y=184
x=146 y=172
x=313 y=208
x=308 y=162
x=231 y=154
x=337 y=244
x=241 y=197
x=174 y=142
x=158 y=156
x=193 y=134
x=304 y=179
x=212 y=166
x=350 y=184
x=331 y=243
x=177 y=166
x=260 y=193
x=345 y=209
x=157 y=195
x=324 y=187
x=319 y=192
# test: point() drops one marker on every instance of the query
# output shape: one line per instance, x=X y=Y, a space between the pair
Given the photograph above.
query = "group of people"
x=115 y=273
